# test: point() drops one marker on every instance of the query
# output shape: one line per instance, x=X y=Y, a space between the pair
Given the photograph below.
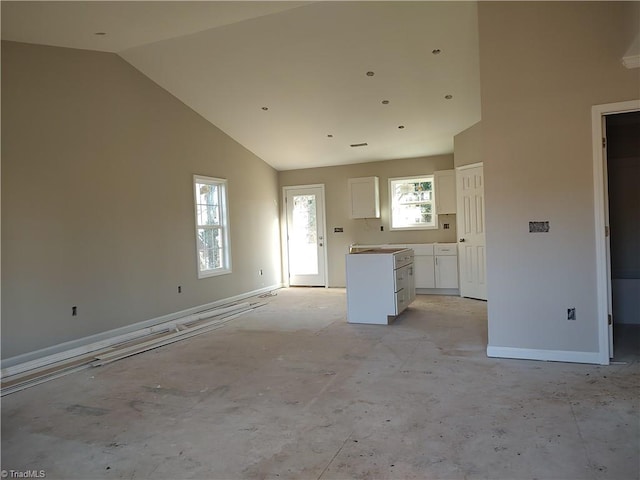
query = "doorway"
x=615 y=130
x=622 y=163
x=305 y=235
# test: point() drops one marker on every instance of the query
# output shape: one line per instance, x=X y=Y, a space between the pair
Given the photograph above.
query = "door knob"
x=461 y=240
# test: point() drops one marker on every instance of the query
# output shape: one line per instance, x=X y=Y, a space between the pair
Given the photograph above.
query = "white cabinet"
x=435 y=266
x=364 y=197
x=424 y=262
x=380 y=285
x=445 y=181
x=446 y=265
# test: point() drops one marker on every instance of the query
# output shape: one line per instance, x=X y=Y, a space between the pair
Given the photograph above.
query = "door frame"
x=285 y=234
x=601 y=200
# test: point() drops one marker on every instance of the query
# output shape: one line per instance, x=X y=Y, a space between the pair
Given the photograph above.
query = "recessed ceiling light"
x=448 y=97
x=370 y=74
x=385 y=102
x=400 y=127
x=265 y=108
x=100 y=33
x=436 y=51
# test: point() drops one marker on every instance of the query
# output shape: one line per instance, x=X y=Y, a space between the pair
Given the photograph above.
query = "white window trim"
x=433 y=203
x=224 y=214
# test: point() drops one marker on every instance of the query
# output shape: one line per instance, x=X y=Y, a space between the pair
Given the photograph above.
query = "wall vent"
x=359 y=144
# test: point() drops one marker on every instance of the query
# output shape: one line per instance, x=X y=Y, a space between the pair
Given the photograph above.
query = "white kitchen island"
x=380 y=284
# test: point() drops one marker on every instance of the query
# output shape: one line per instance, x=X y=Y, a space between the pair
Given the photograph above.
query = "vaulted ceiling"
x=296 y=83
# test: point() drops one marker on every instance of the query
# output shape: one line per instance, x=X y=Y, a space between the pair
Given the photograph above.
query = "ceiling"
x=289 y=80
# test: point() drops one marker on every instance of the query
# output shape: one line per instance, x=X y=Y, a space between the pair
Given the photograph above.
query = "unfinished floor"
x=293 y=391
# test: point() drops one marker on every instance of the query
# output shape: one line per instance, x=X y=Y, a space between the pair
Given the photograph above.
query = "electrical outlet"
x=179 y=288
x=445 y=226
x=382 y=228
x=74 y=311
x=260 y=272
x=571 y=313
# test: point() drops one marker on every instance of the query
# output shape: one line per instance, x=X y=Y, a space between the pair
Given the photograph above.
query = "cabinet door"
x=447 y=271
x=411 y=287
x=424 y=266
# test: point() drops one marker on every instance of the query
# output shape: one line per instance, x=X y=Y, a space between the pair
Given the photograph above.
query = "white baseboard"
x=438 y=291
x=545 y=355
x=63 y=351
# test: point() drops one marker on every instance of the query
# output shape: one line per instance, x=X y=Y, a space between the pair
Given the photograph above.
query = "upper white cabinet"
x=364 y=197
x=445 y=181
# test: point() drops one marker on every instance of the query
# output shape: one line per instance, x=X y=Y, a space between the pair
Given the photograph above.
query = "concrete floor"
x=293 y=391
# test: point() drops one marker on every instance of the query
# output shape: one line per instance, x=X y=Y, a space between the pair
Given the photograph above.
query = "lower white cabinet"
x=435 y=266
x=446 y=265
x=380 y=284
x=425 y=271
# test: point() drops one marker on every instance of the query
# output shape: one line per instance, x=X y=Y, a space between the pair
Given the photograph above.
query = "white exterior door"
x=306 y=235
x=471 y=233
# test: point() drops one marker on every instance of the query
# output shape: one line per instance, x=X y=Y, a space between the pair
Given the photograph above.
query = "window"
x=412 y=203
x=212 y=227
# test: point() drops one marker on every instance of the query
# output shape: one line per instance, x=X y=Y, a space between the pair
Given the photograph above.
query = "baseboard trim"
x=438 y=291
x=73 y=348
x=544 y=355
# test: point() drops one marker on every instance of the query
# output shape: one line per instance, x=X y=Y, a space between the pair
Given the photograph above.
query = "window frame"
x=426 y=177
x=222 y=226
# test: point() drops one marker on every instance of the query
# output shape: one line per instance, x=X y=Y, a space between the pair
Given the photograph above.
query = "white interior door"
x=305 y=235
x=471 y=233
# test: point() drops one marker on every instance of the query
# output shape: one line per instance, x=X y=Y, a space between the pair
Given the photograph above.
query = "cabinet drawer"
x=402 y=301
x=421 y=248
x=446 y=249
x=402 y=278
x=403 y=258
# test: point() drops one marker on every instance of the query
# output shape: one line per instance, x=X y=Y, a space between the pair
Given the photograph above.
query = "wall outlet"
x=179 y=288
x=445 y=226
x=260 y=272
x=571 y=313
x=382 y=228
x=74 y=311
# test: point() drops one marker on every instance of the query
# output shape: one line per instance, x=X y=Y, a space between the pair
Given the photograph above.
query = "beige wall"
x=543 y=66
x=97 y=202
x=367 y=231
x=467 y=146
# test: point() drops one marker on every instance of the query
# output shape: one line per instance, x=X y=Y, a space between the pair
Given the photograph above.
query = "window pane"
x=208 y=204
x=207 y=194
x=210 y=248
x=412 y=203
x=304 y=237
x=208 y=214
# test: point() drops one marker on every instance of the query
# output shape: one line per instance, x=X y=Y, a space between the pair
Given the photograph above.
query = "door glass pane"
x=303 y=239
